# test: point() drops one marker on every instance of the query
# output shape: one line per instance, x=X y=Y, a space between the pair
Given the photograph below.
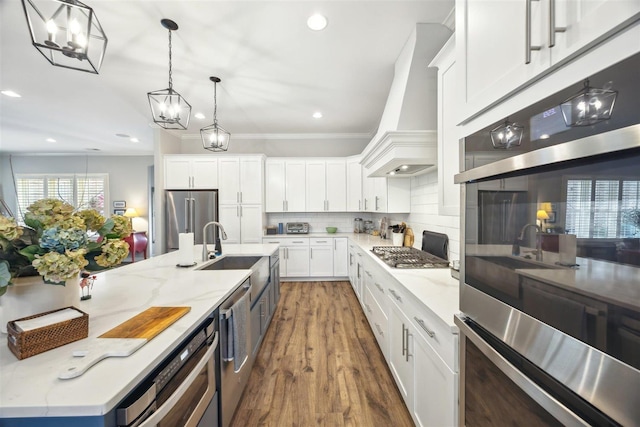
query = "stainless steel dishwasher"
x=182 y=390
x=235 y=347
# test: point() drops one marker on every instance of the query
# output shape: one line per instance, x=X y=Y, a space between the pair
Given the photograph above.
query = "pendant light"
x=67 y=33
x=215 y=138
x=170 y=110
x=589 y=106
x=507 y=135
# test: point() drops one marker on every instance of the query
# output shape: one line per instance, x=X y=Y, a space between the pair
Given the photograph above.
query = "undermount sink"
x=232 y=263
x=515 y=263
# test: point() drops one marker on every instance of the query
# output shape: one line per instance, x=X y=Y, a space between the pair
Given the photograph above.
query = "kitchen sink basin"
x=515 y=263
x=232 y=263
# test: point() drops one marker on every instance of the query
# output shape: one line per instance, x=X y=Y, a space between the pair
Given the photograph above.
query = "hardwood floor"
x=320 y=365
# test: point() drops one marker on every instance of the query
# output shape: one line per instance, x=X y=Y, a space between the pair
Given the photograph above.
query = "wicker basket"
x=29 y=343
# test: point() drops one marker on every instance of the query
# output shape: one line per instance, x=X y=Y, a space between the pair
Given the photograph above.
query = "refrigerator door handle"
x=193 y=215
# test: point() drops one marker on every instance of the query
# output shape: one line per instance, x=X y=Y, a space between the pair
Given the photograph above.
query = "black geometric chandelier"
x=67 y=33
x=215 y=138
x=170 y=110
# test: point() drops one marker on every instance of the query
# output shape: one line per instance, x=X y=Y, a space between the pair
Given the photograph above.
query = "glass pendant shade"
x=507 y=135
x=170 y=110
x=215 y=138
x=590 y=106
x=67 y=33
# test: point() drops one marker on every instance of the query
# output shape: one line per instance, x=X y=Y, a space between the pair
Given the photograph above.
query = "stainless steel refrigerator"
x=187 y=211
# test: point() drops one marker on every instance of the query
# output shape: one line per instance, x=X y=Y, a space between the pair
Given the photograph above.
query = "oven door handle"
x=171 y=402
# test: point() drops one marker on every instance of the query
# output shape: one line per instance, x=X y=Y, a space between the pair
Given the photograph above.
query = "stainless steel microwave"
x=550 y=272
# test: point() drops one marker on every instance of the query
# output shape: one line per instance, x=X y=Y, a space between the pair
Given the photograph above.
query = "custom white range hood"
x=405 y=143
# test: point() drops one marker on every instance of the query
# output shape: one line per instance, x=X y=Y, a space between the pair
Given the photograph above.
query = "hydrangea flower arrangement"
x=55 y=243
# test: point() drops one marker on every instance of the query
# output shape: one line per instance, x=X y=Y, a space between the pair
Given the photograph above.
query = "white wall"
x=424 y=214
x=128 y=177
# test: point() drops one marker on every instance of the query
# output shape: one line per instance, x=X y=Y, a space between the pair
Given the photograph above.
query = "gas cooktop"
x=408 y=257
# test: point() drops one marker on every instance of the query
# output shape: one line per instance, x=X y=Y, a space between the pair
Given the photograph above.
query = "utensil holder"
x=397 y=239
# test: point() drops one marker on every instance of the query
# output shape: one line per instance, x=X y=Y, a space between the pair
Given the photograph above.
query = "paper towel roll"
x=567 y=247
x=185 y=249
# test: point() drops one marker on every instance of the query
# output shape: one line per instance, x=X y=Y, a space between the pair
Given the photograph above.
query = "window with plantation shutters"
x=87 y=191
x=600 y=208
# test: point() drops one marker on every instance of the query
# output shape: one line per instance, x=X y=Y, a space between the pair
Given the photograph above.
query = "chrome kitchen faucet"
x=205 y=250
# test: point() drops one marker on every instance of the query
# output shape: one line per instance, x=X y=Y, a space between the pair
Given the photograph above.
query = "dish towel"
x=239 y=323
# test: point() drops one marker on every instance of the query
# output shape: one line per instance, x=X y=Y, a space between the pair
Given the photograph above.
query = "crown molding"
x=288 y=136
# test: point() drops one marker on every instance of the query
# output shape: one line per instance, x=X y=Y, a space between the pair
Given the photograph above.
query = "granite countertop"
x=31 y=388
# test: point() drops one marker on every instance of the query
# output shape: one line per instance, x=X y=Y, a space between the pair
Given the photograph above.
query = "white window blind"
x=600 y=208
x=81 y=191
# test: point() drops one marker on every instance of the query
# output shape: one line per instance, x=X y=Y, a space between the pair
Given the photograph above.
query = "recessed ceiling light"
x=317 y=115
x=11 y=93
x=93 y=149
x=317 y=22
x=134 y=140
x=122 y=135
x=392 y=173
x=50 y=140
x=199 y=116
x=404 y=167
x=544 y=136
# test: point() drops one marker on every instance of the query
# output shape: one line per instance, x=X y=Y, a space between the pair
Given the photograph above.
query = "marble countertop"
x=434 y=288
x=31 y=388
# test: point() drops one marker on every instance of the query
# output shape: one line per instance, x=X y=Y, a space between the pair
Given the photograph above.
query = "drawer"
x=319 y=241
x=378 y=321
x=437 y=334
x=287 y=241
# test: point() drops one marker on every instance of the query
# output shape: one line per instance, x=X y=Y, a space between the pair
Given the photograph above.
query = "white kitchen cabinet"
x=182 y=172
x=242 y=223
x=434 y=387
x=352 y=264
x=386 y=195
x=354 y=185
x=340 y=257
x=326 y=189
x=493 y=55
x=321 y=257
x=285 y=185
x=294 y=255
x=401 y=357
x=448 y=140
x=240 y=180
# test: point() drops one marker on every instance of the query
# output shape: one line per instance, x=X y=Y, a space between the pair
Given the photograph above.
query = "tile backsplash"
x=320 y=220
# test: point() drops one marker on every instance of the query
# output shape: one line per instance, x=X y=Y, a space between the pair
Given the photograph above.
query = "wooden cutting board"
x=123 y=340
x=147 y=324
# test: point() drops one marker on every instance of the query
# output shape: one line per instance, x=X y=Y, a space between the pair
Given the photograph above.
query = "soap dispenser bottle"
x=218 y=247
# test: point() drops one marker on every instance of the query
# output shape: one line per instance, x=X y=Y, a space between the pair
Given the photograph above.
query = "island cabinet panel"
x=539 y=36
x=183 y=172
x=401 y=358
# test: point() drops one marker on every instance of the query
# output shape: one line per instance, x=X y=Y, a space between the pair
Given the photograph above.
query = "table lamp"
x=541 y=215
x=131 y=213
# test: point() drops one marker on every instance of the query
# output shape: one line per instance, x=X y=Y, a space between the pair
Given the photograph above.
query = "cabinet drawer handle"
x=379 y=329
x=552 y=24
x=297 y=241
x=380 y=288
x=423 y=326
x=396 y=296
x=368 y=308
x=527 y=34
x=321 y=241
x=359 y=254
x=310 y=253
x=377 y=202
x=404 y=340
x=367 y=273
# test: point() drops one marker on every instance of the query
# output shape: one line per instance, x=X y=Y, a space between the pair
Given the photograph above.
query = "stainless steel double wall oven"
x=550 y=296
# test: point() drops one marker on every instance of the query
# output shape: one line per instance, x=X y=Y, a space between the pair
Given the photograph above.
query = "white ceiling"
x=275 y=71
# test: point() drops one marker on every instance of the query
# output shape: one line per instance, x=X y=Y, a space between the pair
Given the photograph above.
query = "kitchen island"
x=30 y=388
